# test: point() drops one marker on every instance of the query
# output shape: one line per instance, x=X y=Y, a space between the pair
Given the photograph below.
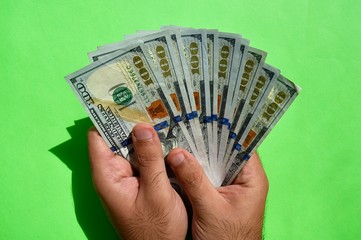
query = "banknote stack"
x=204 y=90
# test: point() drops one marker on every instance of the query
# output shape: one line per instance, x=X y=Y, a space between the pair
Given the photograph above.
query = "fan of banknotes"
x=207 y=91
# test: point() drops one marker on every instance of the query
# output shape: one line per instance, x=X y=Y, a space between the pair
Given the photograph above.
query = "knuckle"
x=157 y=180
x=147 y=159
x=193 y=179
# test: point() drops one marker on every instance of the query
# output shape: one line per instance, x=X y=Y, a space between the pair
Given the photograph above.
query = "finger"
x=112 y=177
x=149 y=155
x=106 y=165
x=252 y=175
x=191 y=177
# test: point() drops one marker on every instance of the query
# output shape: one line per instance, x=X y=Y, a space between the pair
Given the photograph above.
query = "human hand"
x=144 y=207
x=231 y=212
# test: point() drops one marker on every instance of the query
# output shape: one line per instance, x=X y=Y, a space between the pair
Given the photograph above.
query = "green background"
x=312 y=157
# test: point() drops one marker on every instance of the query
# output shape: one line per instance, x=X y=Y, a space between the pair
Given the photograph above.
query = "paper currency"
x=203 y=90
x=264 y=81
x=120 y=91
x=189 y=91
x=279 y=99
x=212 y=50
x=254 y=61
x=229 y=61
x=196 y=55
x=160 y=48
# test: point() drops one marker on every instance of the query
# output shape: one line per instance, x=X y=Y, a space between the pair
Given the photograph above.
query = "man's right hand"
x=231 y=212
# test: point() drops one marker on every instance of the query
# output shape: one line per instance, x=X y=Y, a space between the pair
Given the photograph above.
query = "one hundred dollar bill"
x=265 y=80
x=227 y=69
x=241 y=52
x=251 y=65
x=156 y=48
x=279 y=99
x=189 y=92
x=196 y=55
x=213 y=56
x=231 y=94
x=120 y=91
x=255 y=59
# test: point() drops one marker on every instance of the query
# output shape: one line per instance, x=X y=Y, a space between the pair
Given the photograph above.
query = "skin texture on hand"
x=140 y=207
x=145 y=206
x=230 y=212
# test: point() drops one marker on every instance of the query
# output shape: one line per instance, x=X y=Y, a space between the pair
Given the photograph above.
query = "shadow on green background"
x=88 y=208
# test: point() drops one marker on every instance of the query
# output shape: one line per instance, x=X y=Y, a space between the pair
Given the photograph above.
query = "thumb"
x=192 y=178
x=149 y=154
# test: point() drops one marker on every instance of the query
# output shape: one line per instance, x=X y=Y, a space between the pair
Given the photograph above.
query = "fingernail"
x=176 y=160
x=143 y=134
